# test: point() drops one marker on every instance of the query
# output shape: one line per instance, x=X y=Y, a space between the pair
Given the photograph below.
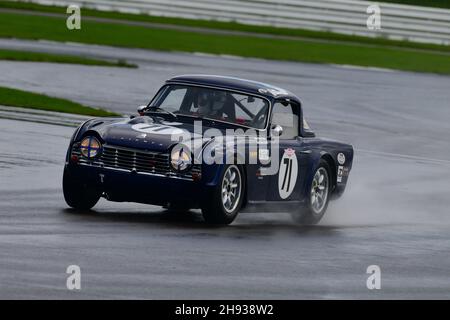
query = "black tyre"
x=78 y=195
x=318 y=196
x=223 y=205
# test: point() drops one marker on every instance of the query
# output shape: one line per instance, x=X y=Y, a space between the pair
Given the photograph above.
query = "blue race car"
x=216 y=143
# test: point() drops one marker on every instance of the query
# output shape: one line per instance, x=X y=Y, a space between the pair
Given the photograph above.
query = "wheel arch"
x=239 y=161
x=332 y=164
x=245 y=183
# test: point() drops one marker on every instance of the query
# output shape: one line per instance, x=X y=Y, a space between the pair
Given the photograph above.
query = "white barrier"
x=399 y=22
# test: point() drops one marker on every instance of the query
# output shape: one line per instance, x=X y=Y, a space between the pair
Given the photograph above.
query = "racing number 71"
x=287 y=174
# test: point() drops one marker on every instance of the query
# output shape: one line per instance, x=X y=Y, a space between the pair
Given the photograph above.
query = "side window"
x=287 y=117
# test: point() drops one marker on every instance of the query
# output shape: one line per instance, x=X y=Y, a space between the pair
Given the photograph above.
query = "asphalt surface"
x=394 y=213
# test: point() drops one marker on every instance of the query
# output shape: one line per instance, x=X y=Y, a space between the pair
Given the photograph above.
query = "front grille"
x=134 y=160
x=149 y=162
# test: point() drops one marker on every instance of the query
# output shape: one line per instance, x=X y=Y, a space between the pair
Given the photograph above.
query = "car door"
x=287 y=183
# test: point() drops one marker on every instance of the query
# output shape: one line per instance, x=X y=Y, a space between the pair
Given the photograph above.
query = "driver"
x=211 y=103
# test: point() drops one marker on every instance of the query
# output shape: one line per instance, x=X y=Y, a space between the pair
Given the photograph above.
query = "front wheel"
x=78 y=195
x=317 y=197
x=226 y=200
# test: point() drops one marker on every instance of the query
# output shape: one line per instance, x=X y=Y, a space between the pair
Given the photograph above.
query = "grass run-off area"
x=231 y=26
x=424 y=3
x=15 y=55
x=15 y=25
x=20 y=98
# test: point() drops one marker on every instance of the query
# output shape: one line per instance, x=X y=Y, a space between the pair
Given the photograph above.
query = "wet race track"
x=395 y=213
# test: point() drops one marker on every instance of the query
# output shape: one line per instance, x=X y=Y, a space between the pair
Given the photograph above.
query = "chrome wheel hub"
x=319 y=190
x=231 y=188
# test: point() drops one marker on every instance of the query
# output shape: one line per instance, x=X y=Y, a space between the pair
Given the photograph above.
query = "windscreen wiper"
x=158 y=110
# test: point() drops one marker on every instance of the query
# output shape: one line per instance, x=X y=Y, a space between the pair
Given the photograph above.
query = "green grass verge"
x=37 y=27
x=14 y=55
x=423 y=3
x=19 y=98
x=232 y=26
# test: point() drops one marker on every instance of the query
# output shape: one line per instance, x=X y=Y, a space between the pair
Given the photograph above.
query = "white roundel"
x=341 y=158
x=287 y=175
x=156 y=128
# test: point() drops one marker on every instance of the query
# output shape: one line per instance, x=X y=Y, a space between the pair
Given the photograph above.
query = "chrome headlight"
x=90 y=147
x=180 y=158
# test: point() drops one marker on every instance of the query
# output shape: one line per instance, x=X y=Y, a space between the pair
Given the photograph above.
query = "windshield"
x=215 y=104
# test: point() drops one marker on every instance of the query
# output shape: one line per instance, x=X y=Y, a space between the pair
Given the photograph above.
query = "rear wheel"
x=317 y=197
x=226 y=200
x=78 y=195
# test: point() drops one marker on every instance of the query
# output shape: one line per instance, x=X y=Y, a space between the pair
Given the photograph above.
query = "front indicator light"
x=74 y=158
x=196 y=176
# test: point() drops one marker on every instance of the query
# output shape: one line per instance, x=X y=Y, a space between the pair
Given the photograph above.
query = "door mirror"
x=276 y=130
x=141 y=110
x=308 y=134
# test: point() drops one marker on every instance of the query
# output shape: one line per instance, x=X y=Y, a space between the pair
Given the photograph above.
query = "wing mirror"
x=141 y=110
x=308 y=134
x=276 y=130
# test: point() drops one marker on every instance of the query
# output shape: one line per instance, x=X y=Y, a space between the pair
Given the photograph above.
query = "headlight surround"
x=90 y=147
x=180 y=158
